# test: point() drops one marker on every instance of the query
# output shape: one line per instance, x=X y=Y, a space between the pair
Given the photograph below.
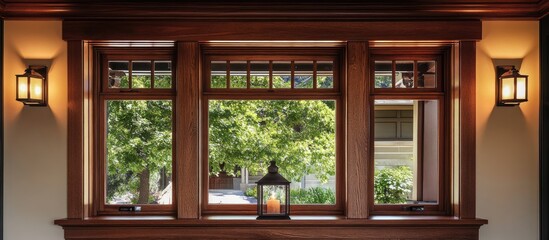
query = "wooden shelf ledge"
x=246 y=227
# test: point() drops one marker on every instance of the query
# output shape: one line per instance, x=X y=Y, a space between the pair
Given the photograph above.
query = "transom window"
x=270 y=73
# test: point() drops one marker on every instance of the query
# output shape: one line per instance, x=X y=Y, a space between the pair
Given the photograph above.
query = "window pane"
x=282 y=74
x=139 y=152
x=118 y=74
x=383 y=74
x=219 y=74
x=141 y=74
x=325 y=74
x=406 y=152
x=239 y=70
x=245 y=135
x=163 y=74
x=426 y=74
x=259 y=74
x=303 y=74
x=404 y=74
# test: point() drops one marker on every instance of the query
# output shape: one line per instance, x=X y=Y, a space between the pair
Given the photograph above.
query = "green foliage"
x=218 y=81
x=383 y=81
x=298 y=134
x=139 y=138
x=315 y=195
x=392 y=185
x=162 y=81
x=251 y=192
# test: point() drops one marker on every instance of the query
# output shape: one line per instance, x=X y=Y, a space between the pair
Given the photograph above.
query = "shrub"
x=392 y=185
x=251 y=192
x=316 y=195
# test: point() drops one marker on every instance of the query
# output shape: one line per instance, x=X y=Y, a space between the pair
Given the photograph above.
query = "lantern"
x=273 y=195
x=512 y=87
x=31 y=87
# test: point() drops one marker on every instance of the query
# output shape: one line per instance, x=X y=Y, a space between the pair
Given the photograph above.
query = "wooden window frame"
x=357 y=36
x=275 y=54
x=102 y=94
x=441 y=93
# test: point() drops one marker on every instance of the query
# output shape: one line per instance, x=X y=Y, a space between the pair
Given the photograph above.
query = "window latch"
x=130 y=209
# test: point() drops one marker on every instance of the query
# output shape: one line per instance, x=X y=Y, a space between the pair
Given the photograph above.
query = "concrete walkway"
x=229 y=196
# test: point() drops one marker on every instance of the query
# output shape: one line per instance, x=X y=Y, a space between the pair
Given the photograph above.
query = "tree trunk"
x=144 y=187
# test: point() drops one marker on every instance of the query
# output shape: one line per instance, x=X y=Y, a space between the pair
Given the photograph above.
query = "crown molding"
x=543 y=8
x=278 y=10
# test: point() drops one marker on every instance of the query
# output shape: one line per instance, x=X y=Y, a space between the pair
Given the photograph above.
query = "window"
x=135 y=106
x=281 y=107
x=410 y=160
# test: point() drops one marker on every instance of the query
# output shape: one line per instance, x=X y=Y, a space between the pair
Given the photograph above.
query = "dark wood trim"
x=467 y=167
x=187 y=135
x=543 y=8
x=2 y=129
x=544 y=128
x=75 y=130
x=275 y=10
x=358 y=139
x=280 y=30
x=249 y=228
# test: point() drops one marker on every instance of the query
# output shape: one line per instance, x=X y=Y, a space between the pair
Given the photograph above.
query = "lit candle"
x=273 y=204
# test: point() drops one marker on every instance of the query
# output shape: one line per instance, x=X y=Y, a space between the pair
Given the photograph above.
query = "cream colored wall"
x=507 y=137
x=35 y=137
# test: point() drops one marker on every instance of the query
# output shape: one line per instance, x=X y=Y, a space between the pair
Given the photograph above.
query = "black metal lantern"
x=512 y=87
x=273 y=195
x=31 y=87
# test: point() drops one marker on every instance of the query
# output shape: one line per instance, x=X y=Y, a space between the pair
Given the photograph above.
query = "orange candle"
x=273 y=204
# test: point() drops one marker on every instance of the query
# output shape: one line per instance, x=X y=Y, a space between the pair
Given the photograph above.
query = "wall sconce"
x=32 y=86
x=511 y=86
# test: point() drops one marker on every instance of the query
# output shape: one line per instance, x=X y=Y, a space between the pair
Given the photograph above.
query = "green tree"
x=298 y=134
x=139 y=147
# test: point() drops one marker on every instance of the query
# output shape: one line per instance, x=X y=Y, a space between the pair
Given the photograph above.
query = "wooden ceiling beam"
x=324 y=10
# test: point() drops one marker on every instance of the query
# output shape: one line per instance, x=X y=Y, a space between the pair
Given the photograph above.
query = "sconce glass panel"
x=35 y=88
x=508 y=88
x=521 y=88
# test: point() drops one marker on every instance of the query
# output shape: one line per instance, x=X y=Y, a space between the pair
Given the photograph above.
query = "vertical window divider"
x=228 y=66
x=130 y=70
x=314 y=74
x=248 y=77
x=393 y=72
x=292 y=74
x=415 y=74
x=271 y=74
x=152 y=73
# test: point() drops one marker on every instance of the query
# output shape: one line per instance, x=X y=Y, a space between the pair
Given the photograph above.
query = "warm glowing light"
x=508 y=88
x=37 y=90
x=23 y=90
x=273 y=204
x=521 y=88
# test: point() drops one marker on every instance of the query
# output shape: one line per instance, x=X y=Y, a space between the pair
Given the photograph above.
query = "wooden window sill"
x=246 y=227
